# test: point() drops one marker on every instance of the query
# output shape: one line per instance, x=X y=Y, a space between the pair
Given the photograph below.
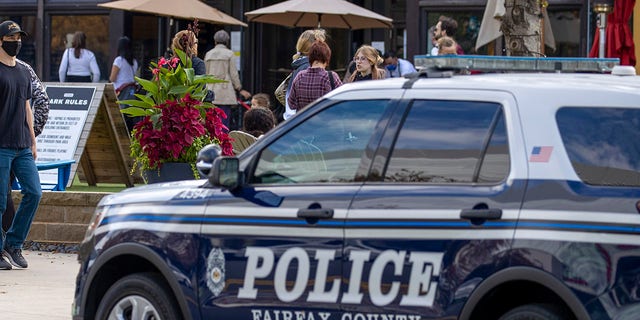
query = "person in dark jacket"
x=187 y=41
x=301 y=60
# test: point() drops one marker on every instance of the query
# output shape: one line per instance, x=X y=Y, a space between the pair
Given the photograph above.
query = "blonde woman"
x=368 y=63
x=187 y=41
x=301 y=60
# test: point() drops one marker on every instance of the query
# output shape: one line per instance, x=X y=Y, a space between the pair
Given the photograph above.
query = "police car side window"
x=450 y=142
x=603 y=144
x=327 y=147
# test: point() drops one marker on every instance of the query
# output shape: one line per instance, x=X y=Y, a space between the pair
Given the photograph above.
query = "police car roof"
x=541 y=82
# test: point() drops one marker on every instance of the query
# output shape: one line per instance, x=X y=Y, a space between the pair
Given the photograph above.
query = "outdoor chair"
x=64 y=171
x=241 y=140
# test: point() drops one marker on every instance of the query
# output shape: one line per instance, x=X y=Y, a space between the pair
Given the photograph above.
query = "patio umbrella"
x=491 y=21
x=619 y=40
x=319 y=13
x=184 y=9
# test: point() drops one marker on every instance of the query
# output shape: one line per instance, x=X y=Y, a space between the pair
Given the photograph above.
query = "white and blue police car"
x=491 y=196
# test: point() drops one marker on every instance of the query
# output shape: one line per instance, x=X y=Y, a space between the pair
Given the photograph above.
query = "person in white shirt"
x=78 y=64
x=123 y=72
x=397 y=67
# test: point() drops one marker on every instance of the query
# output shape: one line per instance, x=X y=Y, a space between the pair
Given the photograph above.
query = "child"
x=260 y=100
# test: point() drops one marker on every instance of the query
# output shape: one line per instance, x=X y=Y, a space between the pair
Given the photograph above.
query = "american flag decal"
x=540 y=154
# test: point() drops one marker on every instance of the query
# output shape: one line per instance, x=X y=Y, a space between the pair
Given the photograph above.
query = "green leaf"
x=146 y=99
x=179 y=90
x=136 y=103
x=190 y=74
x=134 y=111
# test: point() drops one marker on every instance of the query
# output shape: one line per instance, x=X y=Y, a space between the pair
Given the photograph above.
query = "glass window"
x=564 y=20
x=566 y=26
x=468 y=28
x=327 y=147
x=603 y=144
x=450 y=142
x=62 y=30
x=495 y=161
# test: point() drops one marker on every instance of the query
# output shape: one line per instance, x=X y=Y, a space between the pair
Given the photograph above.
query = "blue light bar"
x=519 y=64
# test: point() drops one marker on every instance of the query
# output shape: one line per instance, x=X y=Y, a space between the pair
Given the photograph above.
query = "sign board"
x=69 y=107
x=85 y=124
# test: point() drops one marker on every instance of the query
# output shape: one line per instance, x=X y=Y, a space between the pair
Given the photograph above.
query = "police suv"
x=436 y=196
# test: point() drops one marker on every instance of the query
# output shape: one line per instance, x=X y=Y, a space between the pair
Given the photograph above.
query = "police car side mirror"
x=225 y=173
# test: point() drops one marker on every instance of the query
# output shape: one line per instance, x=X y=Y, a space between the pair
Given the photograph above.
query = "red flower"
x=179 y=125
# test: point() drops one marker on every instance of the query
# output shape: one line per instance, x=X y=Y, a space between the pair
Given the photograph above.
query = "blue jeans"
x=22 y=163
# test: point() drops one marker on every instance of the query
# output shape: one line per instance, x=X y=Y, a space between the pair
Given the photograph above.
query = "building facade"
x=265 y=50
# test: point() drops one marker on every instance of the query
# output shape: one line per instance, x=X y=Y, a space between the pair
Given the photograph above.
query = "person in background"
x=446 y=45
x=264 y=100
x=396 y=67
x=447 y=27
x=17 y=144
x=220 y=62
x=349 y=70
x=315 y=81
x=257 y=121
x=260 y=100
x=434 y=41
x=368 y=63
x=187 y=41
x=40 y=105
x=301 y=60
x=123 y=72
x=78 y=64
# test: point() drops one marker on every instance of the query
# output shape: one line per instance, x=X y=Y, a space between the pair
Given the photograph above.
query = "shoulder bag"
x=281 y=90
x=331 y=80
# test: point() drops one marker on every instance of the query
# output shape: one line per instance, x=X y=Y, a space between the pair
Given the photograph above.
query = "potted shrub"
x=176 y=121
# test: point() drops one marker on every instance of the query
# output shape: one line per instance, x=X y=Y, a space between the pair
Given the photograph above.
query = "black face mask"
x=12 y=47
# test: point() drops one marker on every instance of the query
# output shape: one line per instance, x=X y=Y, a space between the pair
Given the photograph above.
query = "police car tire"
x=534 y=311
x=149 y=286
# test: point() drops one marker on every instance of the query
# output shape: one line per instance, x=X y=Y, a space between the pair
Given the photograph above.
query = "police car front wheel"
x=141 y=296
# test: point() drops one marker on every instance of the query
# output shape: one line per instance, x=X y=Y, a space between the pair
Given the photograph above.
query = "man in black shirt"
x=17 y=144
x=40 y=104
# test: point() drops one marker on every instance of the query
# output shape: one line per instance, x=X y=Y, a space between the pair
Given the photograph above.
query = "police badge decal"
x=216 y=272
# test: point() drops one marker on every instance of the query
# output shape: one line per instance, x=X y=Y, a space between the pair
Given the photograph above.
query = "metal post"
x=602 y=25
x=602 y=8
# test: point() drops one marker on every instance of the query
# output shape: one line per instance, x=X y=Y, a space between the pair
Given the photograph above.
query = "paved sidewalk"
x=43 y=291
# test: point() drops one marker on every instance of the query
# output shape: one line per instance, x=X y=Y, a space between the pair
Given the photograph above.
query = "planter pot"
x=170 y=171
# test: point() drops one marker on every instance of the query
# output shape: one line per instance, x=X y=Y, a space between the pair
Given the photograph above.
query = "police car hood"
x=159 y=192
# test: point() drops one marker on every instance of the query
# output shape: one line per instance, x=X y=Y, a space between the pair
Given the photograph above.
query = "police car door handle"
x=485 y=214
x=319 y=213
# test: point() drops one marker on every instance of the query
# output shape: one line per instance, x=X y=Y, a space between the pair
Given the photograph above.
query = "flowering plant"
x=176 y=122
